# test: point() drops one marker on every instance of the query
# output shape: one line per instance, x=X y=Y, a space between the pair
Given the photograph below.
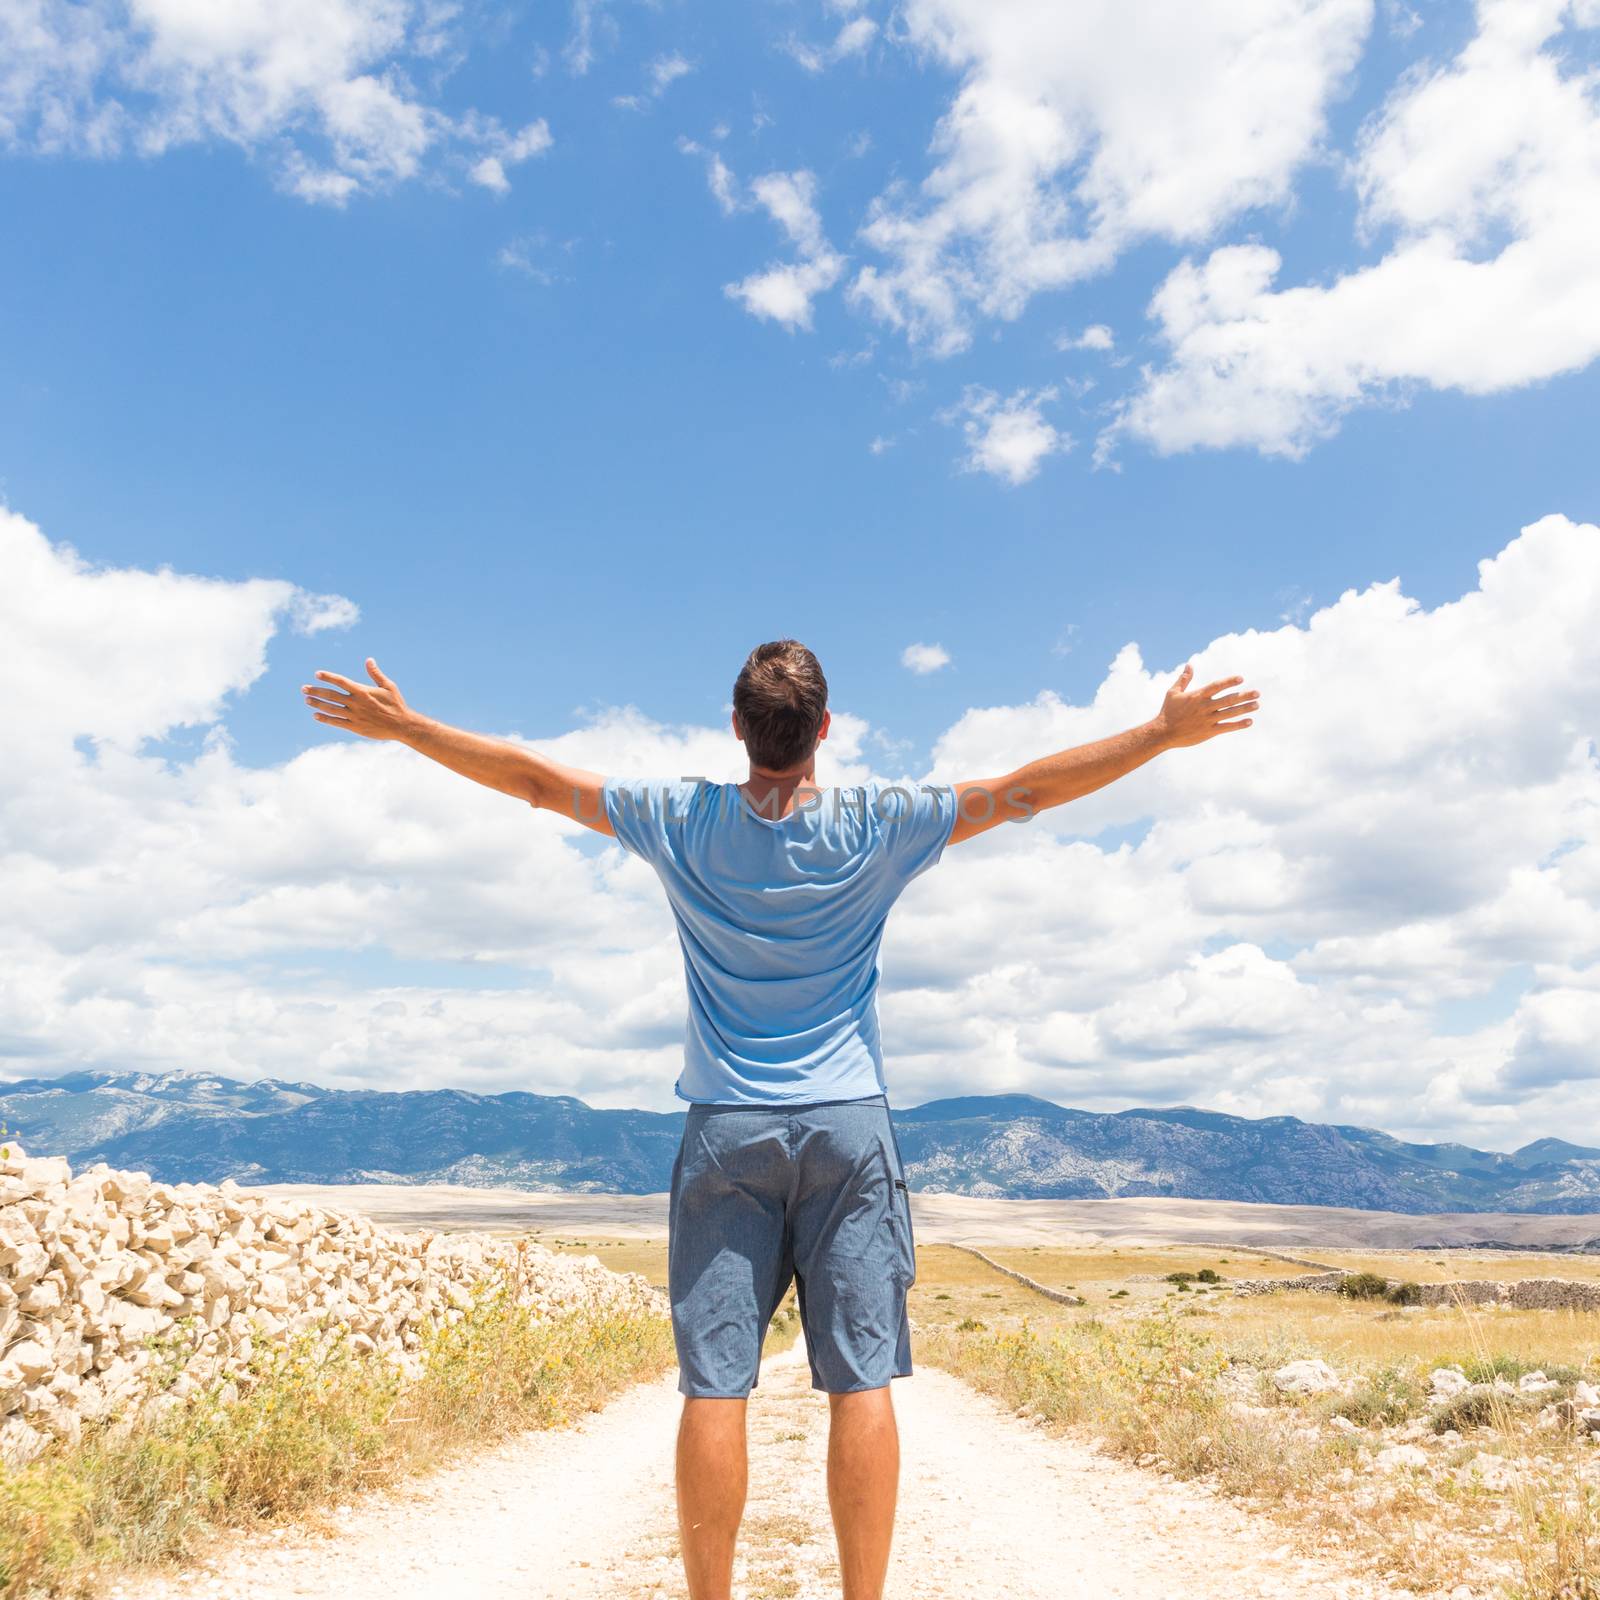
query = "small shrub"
x=1209 y=1274
x=1481 y=1406
x=1403 y=1294
x=970 y=1325
x=1390 y=1394
x=1364 y=1286
x=1486 y=1368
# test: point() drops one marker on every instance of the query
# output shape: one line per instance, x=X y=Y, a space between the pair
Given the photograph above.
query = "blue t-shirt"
x=780 y=919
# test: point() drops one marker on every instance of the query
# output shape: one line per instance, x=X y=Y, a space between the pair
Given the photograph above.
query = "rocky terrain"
x=98 y=1267
x=205 y=1128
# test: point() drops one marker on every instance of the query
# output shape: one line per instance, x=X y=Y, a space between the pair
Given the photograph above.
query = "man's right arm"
x=1186 y=717
x=378 y=711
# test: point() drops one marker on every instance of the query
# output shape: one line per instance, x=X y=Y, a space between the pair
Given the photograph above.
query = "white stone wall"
x=93 y=1265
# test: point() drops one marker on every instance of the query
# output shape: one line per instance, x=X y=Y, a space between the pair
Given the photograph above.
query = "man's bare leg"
x=712 y=1477
x=863 y=1481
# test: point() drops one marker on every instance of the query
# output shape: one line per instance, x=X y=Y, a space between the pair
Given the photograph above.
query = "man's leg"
x=863 y=1480
x=712 y=1474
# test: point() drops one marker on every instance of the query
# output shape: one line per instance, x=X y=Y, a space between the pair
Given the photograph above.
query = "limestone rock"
x=1306 y=1377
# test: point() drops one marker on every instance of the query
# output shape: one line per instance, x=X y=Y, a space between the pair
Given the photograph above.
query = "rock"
x=28 y=1360
x=1306 y=1377
x=1400 y=1458
x=93 y=1268
x=1448 y=1381
x=1489 y=1471
x=20 y=1443
x=1536 y=1383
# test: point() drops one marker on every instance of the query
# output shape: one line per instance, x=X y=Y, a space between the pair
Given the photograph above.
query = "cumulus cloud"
x=1265 y=924
x=924 y=658
x=322 y=92
x=1071 y=139
x=119 y=655
x=1008 y=438
x=1485 y=172
x=783 y=292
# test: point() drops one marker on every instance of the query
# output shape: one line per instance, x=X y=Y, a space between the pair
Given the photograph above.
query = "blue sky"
x=523 y=420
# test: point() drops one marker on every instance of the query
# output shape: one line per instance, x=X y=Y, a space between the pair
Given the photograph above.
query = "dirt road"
x=990 y=1505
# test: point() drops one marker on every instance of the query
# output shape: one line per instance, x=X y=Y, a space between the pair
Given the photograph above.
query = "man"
x=788 y=1170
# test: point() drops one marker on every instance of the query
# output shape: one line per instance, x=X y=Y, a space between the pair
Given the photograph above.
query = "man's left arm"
x=379 y=711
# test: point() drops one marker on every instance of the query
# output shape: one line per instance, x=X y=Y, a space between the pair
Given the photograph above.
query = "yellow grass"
x=1133 y=1374
x=1103 y=1265
x=1442 y=1266
x=648 y=1256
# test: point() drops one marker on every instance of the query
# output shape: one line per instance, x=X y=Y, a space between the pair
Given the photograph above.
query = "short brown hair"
x=780 y=698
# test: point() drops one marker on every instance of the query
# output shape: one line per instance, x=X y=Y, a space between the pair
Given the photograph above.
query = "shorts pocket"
x=905 y=1246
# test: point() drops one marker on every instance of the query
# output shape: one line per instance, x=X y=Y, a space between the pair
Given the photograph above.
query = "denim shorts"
x=763 y=1196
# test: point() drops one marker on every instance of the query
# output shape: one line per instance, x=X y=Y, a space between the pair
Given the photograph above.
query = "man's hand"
x=378 y=712
x=1191 y=716
x=1186 y=717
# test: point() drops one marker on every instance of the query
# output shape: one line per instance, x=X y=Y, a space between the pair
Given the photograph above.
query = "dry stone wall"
x=98 y=1268
x=1531 y=1294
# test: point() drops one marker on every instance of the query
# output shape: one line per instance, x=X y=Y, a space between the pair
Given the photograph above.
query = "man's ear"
x=738 y=732
x=822 y=732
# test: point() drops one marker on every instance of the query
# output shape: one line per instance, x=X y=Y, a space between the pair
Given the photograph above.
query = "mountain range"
x=203 y=1127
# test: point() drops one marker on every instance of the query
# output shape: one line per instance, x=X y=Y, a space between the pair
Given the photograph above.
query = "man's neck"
x=772 y=793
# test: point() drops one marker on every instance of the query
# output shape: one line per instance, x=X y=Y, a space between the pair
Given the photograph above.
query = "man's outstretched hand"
x=376 y=710
x=1191 y=716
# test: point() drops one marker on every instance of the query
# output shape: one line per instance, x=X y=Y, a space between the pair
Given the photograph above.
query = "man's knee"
x=713 y=1413
x=862 y=1405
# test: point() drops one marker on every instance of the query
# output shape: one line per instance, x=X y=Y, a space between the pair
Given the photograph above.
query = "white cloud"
x=321 y=91
x=783 y=292
x=662 y=73
x=1097 y=336
x=592 y=28
x=1415 y=815
x=924 y=658
x=853 y=39
x=318 y=613
x=118 y=655
x=666 y=70
x=509 y=150
x=490 y=173
x=1008 y=438
x=1486 y=171
x=719 y=178
x=1070 y=139
x=534 y=256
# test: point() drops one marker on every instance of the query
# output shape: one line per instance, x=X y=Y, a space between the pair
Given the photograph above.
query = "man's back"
x=780 y=920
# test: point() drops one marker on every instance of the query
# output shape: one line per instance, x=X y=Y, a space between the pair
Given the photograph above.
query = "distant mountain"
x=205 y=1127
